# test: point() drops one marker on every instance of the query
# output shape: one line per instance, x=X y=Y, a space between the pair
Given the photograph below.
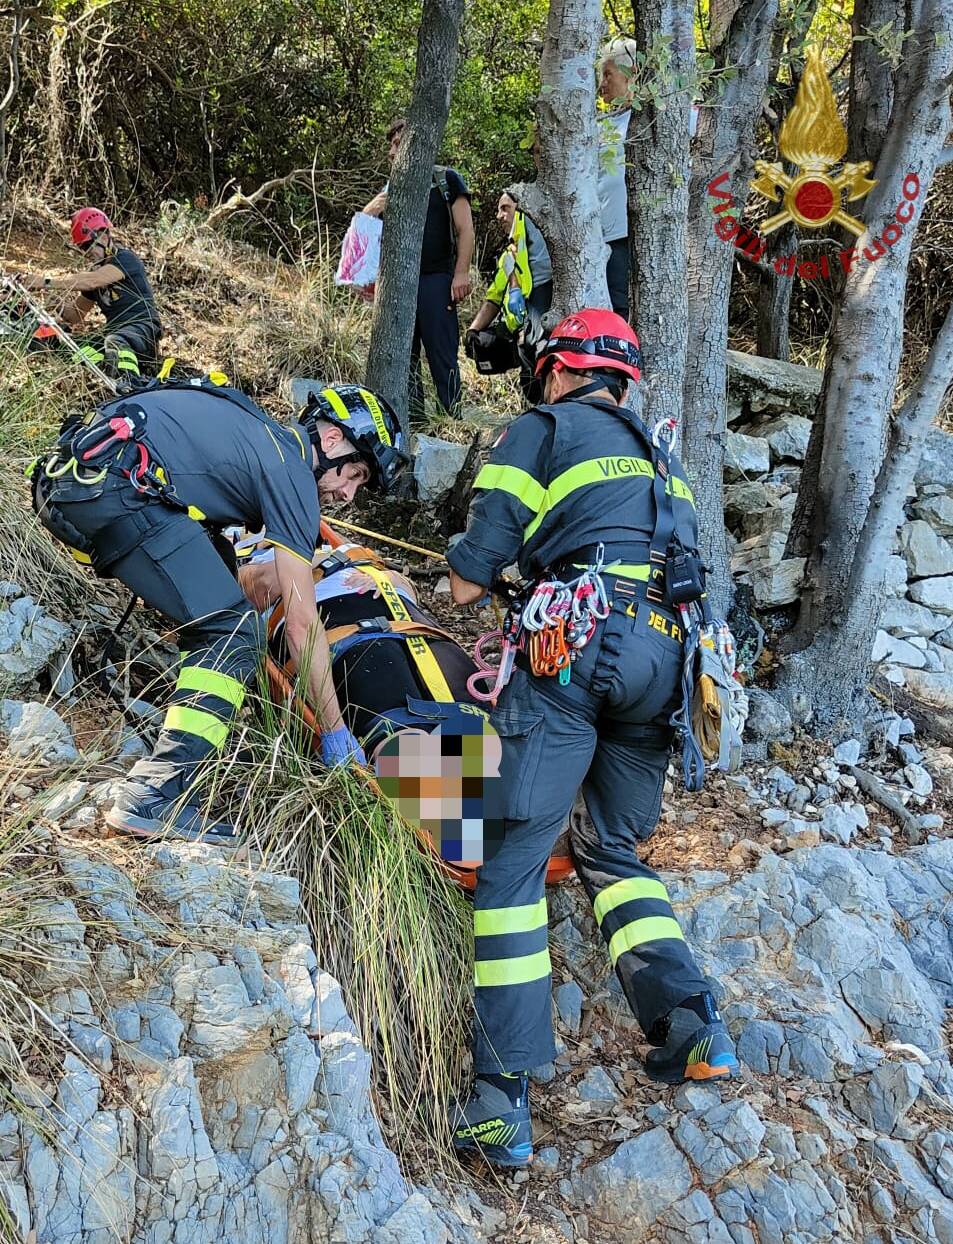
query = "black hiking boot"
x=695 y=1044
x=144 y=812
x=495 y=1123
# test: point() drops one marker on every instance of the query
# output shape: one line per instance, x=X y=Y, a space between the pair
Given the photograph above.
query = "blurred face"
x=505 y=213
x=394 y=144
x=614 y=84
x=340 y=483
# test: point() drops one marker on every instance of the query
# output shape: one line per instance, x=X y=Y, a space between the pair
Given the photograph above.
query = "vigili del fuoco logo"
x=813 y=139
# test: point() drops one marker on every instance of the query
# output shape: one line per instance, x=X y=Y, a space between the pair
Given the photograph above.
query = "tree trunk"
x=657 y=175
x=392 y=329
x=723 y=145
x=871 y=79
x=774 y=299
x=12 y=90
x=564 y=201
x=834 y=631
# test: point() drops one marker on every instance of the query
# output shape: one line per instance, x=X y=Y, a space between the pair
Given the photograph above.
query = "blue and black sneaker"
x=494 y=1122
x=695 y=1044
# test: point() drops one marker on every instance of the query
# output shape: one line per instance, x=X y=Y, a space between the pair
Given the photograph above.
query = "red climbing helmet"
x=87 y=222
x=591 y=340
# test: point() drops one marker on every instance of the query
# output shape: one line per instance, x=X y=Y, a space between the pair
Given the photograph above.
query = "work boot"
x=695 y=1044
x=495 y=1121
x=143 y=811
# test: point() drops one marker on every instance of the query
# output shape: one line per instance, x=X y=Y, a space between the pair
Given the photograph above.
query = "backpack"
x=443 y=185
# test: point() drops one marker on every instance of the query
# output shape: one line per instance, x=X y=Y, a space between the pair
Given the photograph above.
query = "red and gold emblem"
x=813 y=138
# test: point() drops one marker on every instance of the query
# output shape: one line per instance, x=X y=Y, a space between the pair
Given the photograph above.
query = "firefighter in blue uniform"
x=574 y=473
x=116 y=283
x=141 y=491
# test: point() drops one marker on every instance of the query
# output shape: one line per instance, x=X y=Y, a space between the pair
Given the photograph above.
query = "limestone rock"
x=745 y=456
x=906 y=617
x=31 y=640
x=787 y=437
x=637 y=1183
x=768 y=718
x=932 y=688
x=937 y=511
x=769 y=384
x=935 y=594
x=927 y=554
x=436 y=466
x=936 y=461
x=35 y=731
x=896 y=651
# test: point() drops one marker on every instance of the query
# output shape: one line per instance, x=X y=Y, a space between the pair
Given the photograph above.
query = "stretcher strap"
x=410 y=627
x=419 y=649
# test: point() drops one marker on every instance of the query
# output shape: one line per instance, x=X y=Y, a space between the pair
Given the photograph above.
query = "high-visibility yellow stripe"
x=679 y=488
x=294 y=552
x=374 y=406
x=91 y=353
x=623 y=570
x=624 y=891
x=336 y=402
x=592 y=471
x=419 y=649
x=297 y=436
x=524 y=919
x=638 y=932
x=596 y=471
x=519 y=971
x=193 y=721
x=84 y=559
x=519 y=484
x=211 y=682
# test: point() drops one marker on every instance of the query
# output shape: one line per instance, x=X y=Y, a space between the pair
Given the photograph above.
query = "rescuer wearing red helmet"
x=116 y=282
x=572 y=481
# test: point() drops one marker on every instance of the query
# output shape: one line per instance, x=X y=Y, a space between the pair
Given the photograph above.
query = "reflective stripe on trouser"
x=169 y=561
x=608 y=734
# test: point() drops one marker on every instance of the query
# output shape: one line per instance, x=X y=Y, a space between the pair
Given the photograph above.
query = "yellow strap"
x=165 y=371
x=420 y=650
x=337 y=633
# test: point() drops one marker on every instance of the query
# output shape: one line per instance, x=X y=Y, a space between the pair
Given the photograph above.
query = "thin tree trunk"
x=859 y=386
x=10 y=94
x=774 y=298
x=723 y=145
x=871 y=79
x=392 y=330
x=657 y=176
x=844 y=640
x=564 y=201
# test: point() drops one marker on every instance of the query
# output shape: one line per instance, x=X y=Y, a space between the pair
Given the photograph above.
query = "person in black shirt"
x=444 y=279
x=116 y=282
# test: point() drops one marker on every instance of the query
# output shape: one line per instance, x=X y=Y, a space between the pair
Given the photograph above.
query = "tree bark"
x=871 y=79
x=723 y=144
x=20 y=22
x=774 y=299
x=564 y=201
x=657 y=175
x=833 y=636
x=395 y=307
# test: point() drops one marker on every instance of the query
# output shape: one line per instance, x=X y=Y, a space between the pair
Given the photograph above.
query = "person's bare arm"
x=463 y=228
x=259 y=582
x=306 y=638
x=484 y=317
x=377 y=205
x=464 y=592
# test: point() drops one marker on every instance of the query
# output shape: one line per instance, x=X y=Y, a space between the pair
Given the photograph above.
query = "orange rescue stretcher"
x=282 y=689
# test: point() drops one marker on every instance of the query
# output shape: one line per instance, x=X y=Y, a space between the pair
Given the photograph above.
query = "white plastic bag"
x=360 y=251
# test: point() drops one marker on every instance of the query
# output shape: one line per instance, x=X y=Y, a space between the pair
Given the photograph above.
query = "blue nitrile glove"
x=340 y=747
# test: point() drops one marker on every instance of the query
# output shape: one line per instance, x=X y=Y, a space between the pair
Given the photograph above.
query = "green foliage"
x=153 y=99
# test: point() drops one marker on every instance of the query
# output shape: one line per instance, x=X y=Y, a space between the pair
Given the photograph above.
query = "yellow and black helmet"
x=368 y=422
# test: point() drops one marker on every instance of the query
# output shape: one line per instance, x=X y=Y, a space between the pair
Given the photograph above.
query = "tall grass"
x=386 y=921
